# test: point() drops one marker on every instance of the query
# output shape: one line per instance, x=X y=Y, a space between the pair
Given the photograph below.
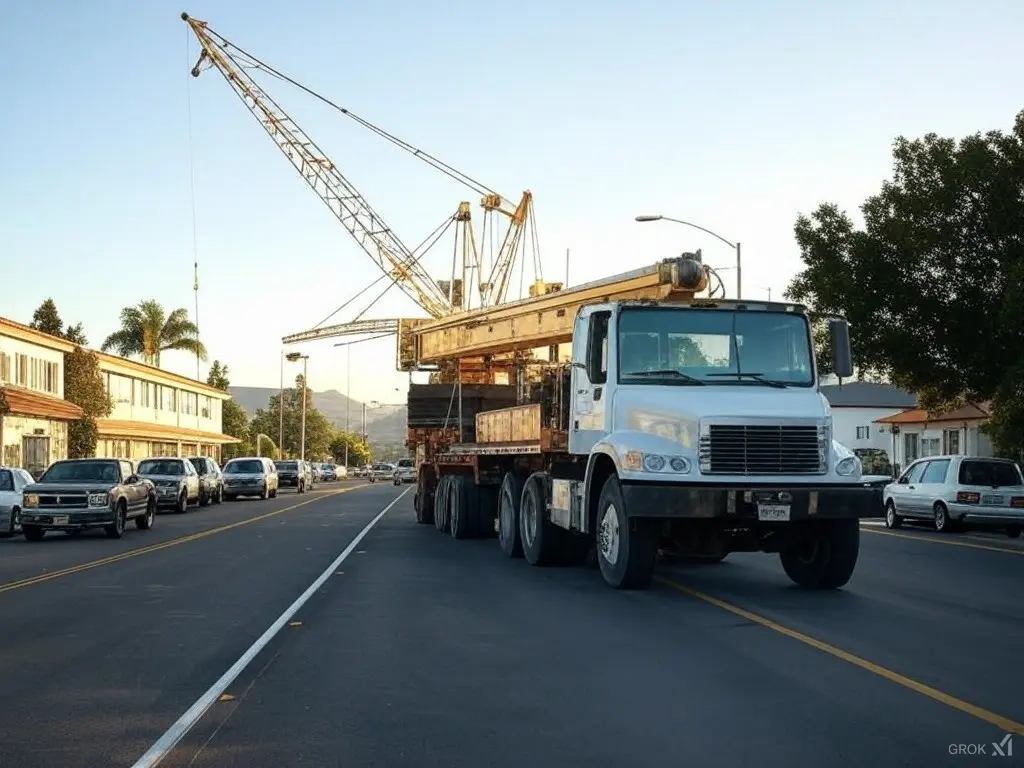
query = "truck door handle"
x=582 y=391
x=910 y=487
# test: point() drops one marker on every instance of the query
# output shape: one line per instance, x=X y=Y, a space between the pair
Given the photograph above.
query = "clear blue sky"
x=735 y=115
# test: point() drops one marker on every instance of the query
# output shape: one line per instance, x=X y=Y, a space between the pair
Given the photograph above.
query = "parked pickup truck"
x=78 y=494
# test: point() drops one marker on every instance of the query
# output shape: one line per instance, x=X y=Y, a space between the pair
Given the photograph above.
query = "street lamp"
x=293 y=357
x=734 y=246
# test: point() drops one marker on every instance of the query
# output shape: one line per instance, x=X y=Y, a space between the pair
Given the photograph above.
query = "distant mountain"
x=384 y=425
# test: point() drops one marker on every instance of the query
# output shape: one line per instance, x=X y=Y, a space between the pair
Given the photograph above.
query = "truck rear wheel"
x=462 y=508
x=540 y=538
x=509 y=498
x=441 y=496
x=424 y=502
x=627 y=549
x=827 y=558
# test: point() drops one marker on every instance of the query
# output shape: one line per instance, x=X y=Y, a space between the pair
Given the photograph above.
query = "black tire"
x=827 y=559
x=182 y=506
x=509 y=498
x=12 y=523
x=116 y=529
x=218 y=496
x=540 y=538
x=461 y=507
x=33 y=532
x=627 y=550
x=1013 y=531
x=441 y=503
x=204 y=497
x=892 y=520
x=145 y=522
x=273 y=493
x=940 y=518
x=424 y=505
x=265 y=493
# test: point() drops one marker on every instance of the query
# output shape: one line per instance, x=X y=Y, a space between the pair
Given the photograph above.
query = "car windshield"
x=244 y=467
x=712 y=346
x=161 y=467
x=405 y=463
x=199 y=464
x=288 y=466
x=990 y=473
x=81 y=472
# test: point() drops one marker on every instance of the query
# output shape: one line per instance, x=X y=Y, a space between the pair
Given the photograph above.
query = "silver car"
x=405 y=472
x=954 y=492
x=176 y=481
x=12 y=484
x=250 y=476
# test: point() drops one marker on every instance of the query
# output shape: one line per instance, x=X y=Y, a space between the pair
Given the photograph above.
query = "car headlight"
x=848 y=466
x=31 y=500
x=98 y=499
x=638 y=461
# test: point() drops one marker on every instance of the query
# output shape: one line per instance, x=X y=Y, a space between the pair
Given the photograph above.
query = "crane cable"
x=192 y=197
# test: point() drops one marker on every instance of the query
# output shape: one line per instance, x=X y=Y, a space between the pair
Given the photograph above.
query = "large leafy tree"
x=234 y=420
x=320 y=433
x=147 y=330
x=47 y=319
x=933 y=284
x=83 y=386
x=358 y=451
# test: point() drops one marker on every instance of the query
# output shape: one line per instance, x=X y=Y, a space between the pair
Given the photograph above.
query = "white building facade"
x=915 y=434
x=857 y=407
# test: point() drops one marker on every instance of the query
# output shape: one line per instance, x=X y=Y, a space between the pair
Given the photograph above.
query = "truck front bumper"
x=71 y=520
x=753 y=504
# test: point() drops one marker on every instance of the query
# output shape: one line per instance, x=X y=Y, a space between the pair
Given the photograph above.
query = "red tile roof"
x=26 y=402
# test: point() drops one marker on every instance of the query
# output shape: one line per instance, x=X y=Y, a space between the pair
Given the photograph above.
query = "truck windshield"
x=81 y=472
x=677 y=345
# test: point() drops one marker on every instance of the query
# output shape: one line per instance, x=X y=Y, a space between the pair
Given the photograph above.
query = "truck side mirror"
x=842 y=357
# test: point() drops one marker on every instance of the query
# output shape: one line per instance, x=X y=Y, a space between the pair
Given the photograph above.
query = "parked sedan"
x=175 y=479
x=12 y=485
x=957 y=491
x=211 y=481
x=381 y=471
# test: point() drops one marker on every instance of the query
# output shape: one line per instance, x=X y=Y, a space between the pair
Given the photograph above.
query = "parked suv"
x=405 y=472
x=175 y=479
x=250 y=476
x=292 y=474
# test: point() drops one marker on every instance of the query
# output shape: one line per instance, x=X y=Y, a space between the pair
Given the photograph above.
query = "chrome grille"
x=762 y=449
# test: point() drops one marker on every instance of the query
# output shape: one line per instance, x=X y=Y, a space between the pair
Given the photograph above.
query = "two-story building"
x=34 y=416
x=159 y=413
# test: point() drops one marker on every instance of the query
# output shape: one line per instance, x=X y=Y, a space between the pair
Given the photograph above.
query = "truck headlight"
x=848 y=466
x=638 y=461
x=31 y=500
x=98 y=499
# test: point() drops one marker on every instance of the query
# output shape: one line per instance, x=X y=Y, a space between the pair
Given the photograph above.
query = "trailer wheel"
x=627 y=549
x=441 y=503
x=540 y=539
x=827 y=558
x=423 y=503
x=509 y=498
x=460 y=505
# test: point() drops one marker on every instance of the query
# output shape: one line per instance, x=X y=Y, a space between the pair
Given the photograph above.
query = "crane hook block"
x=184 y=16
x=685 y=271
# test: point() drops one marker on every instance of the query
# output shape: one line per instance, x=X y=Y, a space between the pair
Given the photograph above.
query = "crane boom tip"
x=184 y=16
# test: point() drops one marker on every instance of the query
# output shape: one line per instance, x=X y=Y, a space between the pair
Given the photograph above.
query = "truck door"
x=590 y=347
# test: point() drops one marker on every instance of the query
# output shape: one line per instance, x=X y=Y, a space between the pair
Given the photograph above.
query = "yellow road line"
x=88 y=566
x=949 y=542
x=1004 y=723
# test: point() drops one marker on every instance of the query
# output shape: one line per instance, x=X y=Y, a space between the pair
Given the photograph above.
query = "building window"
x=20 y=369
x=52 y=372
x=930 y=446
x=909 y=448
x=207 y=402
x=950 y=442
x=168 y=401
x=144 y=394
x=120 y=391
x=863 y=433
x=189 y=403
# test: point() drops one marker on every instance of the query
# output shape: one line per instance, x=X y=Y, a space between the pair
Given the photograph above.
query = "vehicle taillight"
x=968 y=497
x=1017 y=502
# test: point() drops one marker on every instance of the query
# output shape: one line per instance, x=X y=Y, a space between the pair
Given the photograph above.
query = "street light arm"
x=695 y=226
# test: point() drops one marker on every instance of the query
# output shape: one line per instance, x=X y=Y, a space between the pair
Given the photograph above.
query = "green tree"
x=146 y=331
x=218 y=376
x=319 y=431
x=47 y=319
x=933 y=284
x=83 y=386
x=358 y=450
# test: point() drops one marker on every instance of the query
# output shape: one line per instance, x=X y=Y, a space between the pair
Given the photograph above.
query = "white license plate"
x=995 y=501
x=60 y=519
x=774 y=512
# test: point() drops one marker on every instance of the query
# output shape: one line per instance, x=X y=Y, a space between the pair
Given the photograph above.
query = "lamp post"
x=293 y=357
x=734 y=246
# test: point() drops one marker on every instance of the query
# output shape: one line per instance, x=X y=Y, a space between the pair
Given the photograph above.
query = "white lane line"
x=162 y=747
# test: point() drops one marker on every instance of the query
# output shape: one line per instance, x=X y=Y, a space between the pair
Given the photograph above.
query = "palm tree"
x=146 y=331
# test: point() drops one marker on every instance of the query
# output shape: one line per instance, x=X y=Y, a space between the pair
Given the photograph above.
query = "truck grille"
x=64 y=500
x=768 y=449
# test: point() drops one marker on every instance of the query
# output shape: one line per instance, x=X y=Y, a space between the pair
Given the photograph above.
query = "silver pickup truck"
x=78 y=494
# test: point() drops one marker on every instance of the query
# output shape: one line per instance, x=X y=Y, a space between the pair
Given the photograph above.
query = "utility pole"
x=305 y=386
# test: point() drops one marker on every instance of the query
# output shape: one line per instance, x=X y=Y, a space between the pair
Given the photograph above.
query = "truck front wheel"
x=626 y=548
x=825 y=559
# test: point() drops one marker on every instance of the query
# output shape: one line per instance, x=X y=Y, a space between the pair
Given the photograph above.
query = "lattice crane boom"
x=348 y=205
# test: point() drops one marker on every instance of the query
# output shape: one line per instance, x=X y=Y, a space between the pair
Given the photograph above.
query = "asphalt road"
x=424 y=651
